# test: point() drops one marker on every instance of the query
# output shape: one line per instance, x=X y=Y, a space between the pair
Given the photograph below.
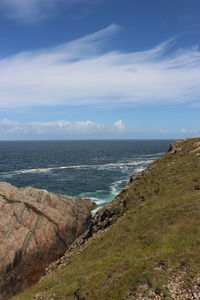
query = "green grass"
x=154 y=238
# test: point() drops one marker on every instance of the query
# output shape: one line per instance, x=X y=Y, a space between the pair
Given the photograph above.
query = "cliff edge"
x=143 y=245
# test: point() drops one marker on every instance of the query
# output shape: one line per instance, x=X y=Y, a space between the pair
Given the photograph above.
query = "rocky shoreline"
x=110 y=214
x=161 y=185
x=36 y=228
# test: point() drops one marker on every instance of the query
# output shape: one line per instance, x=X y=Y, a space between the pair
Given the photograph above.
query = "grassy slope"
x=158 y=235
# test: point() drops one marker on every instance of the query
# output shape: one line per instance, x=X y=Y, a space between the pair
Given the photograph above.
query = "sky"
x=99 y=69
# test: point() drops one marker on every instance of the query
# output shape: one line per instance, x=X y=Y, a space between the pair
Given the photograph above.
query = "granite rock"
x=36 y=228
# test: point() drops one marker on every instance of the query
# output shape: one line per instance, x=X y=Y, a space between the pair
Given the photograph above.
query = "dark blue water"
x=95 y=169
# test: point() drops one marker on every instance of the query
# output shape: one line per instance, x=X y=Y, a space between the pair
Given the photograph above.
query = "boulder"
x=36 y=228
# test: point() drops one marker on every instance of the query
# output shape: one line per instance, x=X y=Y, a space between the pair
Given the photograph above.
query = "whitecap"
x=95 y=210
x=140 y=169
x=120 y=165
x=117 y=186
x=97 y=201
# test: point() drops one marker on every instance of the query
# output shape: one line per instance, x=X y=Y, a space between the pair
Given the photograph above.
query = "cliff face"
x=143 y=245
x=36 y=228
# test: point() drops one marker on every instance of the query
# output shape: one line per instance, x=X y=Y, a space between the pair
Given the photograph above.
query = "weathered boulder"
x=36 y=228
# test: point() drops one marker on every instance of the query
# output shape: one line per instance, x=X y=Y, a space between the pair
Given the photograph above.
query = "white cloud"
x=28 y=11
x=193 y=131
x=119 y=126
x=58 y=129
x=80 y=72
x=183 y=130
x=62 y=129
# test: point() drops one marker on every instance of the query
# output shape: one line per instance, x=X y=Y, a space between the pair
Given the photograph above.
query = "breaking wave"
x=111 y=166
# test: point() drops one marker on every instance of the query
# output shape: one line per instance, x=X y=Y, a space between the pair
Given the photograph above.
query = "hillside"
x=144 y=245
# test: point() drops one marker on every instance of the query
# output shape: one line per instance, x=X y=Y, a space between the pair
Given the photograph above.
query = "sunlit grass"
x=162 y=230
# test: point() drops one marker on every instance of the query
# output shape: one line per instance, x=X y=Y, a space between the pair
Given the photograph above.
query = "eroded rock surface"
x=36 y=228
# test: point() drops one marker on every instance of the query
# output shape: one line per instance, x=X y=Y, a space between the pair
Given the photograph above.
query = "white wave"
x=122 y=164
x=97 y=201
x=91 y=195
x=119 y=182
x=42 y=170
x=119 y=165
x=117 y=186
x=150 y=155
x=27 y=171
x=100 y=203
x=95 y=210
x=32 y=171
x=140 y=169
x=114 y=191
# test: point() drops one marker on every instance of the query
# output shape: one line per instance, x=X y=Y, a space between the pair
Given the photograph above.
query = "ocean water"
x=95 y=169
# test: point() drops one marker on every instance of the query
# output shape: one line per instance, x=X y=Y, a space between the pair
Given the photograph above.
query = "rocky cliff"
x=36 y=228
x=143 y=245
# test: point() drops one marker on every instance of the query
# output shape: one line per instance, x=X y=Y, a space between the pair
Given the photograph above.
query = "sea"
x=95 y=169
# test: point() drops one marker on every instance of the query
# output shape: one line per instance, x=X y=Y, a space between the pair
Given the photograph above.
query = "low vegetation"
x=152 y=250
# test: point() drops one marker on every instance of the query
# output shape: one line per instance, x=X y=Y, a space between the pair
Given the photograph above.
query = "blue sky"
x=73 y=69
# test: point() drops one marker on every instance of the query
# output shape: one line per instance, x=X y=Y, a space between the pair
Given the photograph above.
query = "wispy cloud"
x=81 y=72
x=59 y=129
x=28 y=11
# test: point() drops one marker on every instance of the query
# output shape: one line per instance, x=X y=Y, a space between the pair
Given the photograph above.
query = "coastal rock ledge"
x=36 y=228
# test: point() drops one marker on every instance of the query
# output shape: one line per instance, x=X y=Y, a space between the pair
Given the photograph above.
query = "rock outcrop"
x=143 y=245
x=36 y=228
